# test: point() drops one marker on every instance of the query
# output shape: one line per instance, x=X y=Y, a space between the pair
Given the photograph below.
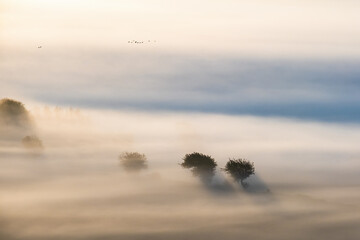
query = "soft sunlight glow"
x=259 y=28
x=179 y=119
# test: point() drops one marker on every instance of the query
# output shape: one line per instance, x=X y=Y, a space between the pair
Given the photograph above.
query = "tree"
x=240 y=169
x=201 y=165
x=133 y=161
x=15 y=120
x=13 y=113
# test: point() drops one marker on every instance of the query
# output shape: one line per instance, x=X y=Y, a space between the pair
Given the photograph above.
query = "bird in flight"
x=140 y=42
x=39 y=46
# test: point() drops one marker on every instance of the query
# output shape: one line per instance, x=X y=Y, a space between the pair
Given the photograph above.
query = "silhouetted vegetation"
x=240 y=169
x=201 y=165
x=32 y=142
x=13 y=113
x=133 y=161
x=15 y=121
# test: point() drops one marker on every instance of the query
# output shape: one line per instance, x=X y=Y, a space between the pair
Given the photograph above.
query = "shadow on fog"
x=258 y=190
x=255 y=185
x=219 y=184
x=242 y=172
x=204 y=167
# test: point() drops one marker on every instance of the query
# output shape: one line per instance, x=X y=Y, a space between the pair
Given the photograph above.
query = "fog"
x=321 y=90
x=75 y=188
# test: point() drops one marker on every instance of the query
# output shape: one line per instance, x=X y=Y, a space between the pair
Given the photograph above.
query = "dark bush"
x=200 y=164
x=13 y=113
x=240 y=169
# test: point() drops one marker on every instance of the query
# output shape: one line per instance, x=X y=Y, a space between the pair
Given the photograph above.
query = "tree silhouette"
x=240 y=169
x=133 y=161
x=201 y=165
x=13 y=113
x=15 y=120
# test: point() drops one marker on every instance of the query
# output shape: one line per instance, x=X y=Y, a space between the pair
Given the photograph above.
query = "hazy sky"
x=269 y=58
x=262 y=28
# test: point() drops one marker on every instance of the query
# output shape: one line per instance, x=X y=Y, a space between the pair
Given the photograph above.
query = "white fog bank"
x=76 y=189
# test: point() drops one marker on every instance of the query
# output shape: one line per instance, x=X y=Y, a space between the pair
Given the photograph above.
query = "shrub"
x=240 y=169
x=200 y=164
x=13 y=113
x=133 y=161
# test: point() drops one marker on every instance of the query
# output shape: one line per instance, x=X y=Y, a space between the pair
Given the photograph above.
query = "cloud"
x=311 y=169
x=314 y=90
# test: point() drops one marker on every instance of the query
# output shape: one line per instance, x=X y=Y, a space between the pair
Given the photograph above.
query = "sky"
x=292 y=59
x=261 y=28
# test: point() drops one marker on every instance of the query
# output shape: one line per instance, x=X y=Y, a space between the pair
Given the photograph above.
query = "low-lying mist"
x=77 y=186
